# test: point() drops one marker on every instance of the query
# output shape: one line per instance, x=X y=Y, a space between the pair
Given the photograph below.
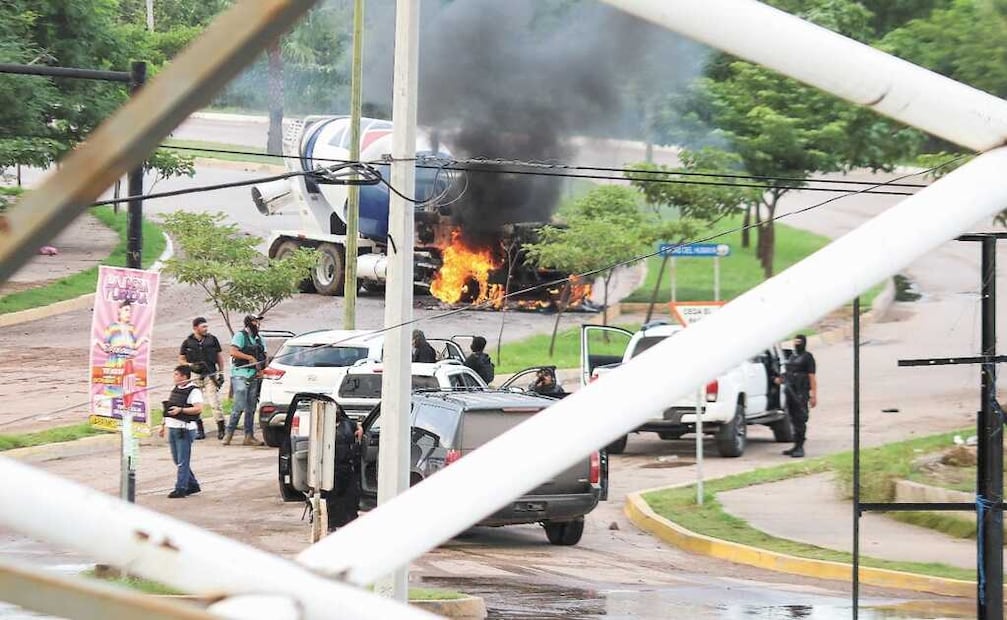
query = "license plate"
x=529 y=506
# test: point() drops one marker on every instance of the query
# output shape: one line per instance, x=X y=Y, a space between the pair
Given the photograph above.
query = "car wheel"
x=564 y=532
x=284 y=250
x=731 y=436
x=667 y=436
x=618 y=446
x=328 y=275
x=783 y=430
x=272 y=435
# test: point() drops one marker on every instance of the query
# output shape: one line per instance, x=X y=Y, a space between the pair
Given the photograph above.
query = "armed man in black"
x=202 y=352
x=342 y=501
x=800 y=388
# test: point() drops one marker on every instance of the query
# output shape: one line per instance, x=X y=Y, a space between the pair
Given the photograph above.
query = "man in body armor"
x=248 y=359
x=202 y=353
x=342 y=501
x=181 y=410
x=801 y=391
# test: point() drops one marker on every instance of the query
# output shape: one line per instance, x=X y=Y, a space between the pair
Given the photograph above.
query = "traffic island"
x=645 y=518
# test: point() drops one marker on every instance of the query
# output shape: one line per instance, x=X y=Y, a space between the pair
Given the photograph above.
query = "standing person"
x=201 y=351
x=342 y=502
x=422 y=351
x=248 y=355
x=800 y=388
x=183 y=407
x=479 y=361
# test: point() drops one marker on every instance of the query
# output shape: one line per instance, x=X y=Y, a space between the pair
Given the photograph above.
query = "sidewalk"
x=809 y=510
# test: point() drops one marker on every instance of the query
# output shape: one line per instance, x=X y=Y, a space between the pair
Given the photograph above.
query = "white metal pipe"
x=836 y=64
x=393 y=462
x=505 y=468
x=172 y=552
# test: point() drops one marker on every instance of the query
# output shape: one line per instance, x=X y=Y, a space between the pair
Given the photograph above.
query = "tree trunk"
x=607 y=279
x=274 y=139
x=746 y=238
x=767 y=235
x=657 y=288
x=564 y=301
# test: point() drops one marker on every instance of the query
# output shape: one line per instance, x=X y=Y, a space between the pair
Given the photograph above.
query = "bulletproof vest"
x=346 y=441
x=180 y=398
x=251 y=347
x=795 y=376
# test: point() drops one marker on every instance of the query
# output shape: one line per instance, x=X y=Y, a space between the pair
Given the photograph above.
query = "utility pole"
x=353 y=201
x=393 y=459
x=134 y=217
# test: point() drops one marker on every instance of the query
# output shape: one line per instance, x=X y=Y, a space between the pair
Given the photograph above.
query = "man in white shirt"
x=181 y=410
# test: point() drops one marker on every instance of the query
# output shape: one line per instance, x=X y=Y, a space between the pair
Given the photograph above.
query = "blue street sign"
x=695 y=250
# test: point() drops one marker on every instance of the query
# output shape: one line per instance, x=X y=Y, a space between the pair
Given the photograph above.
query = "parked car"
x=446 y=426
x=316 y=362
x=360 y=389
x=744 y=395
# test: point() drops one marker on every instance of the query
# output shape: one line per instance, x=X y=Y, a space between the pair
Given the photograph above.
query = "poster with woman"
x=121 y=326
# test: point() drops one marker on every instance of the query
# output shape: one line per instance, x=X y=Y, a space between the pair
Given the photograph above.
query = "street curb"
x=77 y=303
x=467 y=607
x=64 y=449
x=241 y=166
x=641 y=515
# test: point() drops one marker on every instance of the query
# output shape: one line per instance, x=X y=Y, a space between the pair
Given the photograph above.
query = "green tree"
x=223 y=262
x=601 y=230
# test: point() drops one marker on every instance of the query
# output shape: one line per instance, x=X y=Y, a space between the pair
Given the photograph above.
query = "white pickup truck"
x=744 y=395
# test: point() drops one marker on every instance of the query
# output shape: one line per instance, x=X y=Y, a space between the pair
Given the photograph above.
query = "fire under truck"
x=443 y=263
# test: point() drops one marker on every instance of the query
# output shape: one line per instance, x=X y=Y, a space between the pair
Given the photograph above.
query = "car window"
x=470 y=381
x=319 y=356
x=437 y=420
x=369 y=385
x=478 y=427
x=456 y=381
x=645 y=343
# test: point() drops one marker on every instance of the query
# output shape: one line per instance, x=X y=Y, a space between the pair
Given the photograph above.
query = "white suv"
x=360 y=389
x=316 y=362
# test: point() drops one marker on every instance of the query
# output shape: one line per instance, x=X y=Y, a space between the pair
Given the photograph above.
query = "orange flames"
x=464 y=274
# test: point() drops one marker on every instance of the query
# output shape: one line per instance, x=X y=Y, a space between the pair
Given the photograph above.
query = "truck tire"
x=783 y=430
x=328 y=275
x=669 y=436
x=272 y=435
x=618 y=446
x=564 y=532
x=731 y=436
x=287 y=248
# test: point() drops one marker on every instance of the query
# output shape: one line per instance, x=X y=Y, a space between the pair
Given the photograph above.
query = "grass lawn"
x=879 y=468
x=84 y=282
x=209 y=150
x=52 y=435
x=534 y=350
x=738 y=272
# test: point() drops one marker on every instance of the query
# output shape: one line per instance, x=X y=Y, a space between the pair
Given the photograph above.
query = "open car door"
x=447 y=349
x=601 y=345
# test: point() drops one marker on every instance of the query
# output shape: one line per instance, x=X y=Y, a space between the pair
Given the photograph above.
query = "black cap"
x=199 y=320
x=252 y=317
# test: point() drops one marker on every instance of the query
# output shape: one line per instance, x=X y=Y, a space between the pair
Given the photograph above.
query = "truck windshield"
x=645 y=343
x=319 y=356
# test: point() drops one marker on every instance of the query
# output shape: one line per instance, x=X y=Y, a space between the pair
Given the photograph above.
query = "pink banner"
x=121 y=327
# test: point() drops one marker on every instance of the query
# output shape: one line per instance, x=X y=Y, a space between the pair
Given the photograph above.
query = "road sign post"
x=695 y=250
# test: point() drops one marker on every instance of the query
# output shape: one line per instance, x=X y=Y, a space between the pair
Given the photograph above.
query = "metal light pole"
x=353 y=201
x=393 y=459
x=134 y=217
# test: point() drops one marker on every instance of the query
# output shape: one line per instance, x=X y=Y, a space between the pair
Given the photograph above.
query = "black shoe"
x=789 y=451
x=200 y=433
x=176 y=494
x=193 y=491
x=220 y=429
x=798 y=452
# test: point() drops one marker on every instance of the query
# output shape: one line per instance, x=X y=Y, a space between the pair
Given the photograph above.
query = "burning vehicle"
x=460 y=255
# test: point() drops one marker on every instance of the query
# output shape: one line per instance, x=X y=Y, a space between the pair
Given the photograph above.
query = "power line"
x=553 y=283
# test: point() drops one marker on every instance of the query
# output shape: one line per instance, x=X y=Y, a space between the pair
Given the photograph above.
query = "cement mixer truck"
x=320 y=141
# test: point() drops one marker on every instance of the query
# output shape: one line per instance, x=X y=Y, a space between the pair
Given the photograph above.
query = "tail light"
x=452 y=456
x=268 y=409
x=594 y=475
x=273 y=373
x=594 y=377
x=711 y=391
x=295 y=424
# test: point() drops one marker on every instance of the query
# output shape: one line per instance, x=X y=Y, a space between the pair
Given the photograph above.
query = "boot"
x=227 y=437
x=798 y=451
x=200 y=432
x=790 y=450
x=220 y=429
x=250 y=440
